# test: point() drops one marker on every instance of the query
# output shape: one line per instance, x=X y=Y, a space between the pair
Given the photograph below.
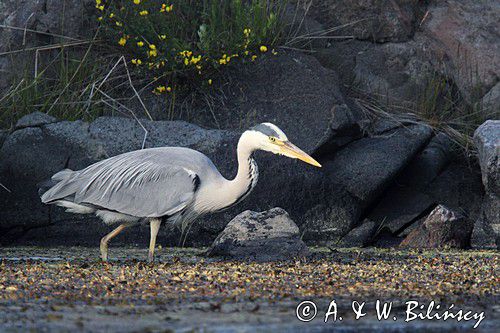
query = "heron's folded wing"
x=139 y=187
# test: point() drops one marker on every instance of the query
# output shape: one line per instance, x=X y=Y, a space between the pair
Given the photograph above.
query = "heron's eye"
x=272 y=139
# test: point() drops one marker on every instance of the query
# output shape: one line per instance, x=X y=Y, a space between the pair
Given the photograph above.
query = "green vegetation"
x=187 y=40
x=166 y=48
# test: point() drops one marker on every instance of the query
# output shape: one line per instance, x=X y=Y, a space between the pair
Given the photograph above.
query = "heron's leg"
x=155 y=226
x=107 y=238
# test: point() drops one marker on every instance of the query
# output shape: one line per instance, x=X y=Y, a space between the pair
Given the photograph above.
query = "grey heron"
x=172 y=184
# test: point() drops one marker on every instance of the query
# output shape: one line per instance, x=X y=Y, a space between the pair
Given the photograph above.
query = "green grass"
x=60 y=88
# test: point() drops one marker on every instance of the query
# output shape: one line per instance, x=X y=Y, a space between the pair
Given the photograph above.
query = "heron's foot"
x=151 y=257
x=104 y=251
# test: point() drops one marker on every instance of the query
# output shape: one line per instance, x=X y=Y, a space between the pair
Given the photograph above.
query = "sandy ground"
x=70 y=290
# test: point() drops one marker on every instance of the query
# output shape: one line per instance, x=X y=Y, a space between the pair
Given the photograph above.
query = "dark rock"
x=400 y=207
x=412 y=195
x=345 y=128
x=35 y=119
x=266 y=236
x=375 y=20
x=442 y=228
x=458 y=187
x=487 y=142
x=398 y=71
x=430 y=162
x=358 y=237
x=367 y=166
x=341 y=57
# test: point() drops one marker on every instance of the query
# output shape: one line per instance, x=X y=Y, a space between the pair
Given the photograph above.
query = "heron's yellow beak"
x=291 y=150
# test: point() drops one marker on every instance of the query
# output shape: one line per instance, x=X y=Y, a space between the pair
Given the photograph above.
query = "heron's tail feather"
x=50 y=189
x=62 y=175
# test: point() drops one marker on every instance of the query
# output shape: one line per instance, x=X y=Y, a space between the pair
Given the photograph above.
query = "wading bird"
x=173 y=184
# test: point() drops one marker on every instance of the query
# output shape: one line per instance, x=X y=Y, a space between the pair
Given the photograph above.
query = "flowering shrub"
x=177 y=40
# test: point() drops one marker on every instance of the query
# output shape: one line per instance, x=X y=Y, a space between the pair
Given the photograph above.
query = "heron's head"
x=269 y=137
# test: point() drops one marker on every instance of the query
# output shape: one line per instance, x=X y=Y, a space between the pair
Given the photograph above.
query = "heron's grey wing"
x=135 y=185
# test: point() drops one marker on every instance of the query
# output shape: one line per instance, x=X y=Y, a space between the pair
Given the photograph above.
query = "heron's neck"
x=238 y=188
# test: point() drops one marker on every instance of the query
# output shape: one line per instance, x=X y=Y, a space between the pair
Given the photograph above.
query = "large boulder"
x=265 y=236
x=367 y=166
x=487 y=141
x=442 y=228
x=407 y=200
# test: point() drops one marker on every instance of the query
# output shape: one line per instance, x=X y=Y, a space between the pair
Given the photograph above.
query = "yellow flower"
x=222 y=61
x=169 y=89
x=143 y=12
x=137 y=62
x=246 y=31
x=186 y=61
x=153 y=53
x=246 y=53
x=99 y=18
x=160 y=89
x=101 y=7
x=111 y=15
x=152 y=46
x=163 y=37
x=254 y=57
x=195 y=60
x=137 y=2
x=165 y=8
x=140 y=43
x=119 y=24
x=122 y=41
x=263 y=49
x=98 y=2
x=209 y=81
